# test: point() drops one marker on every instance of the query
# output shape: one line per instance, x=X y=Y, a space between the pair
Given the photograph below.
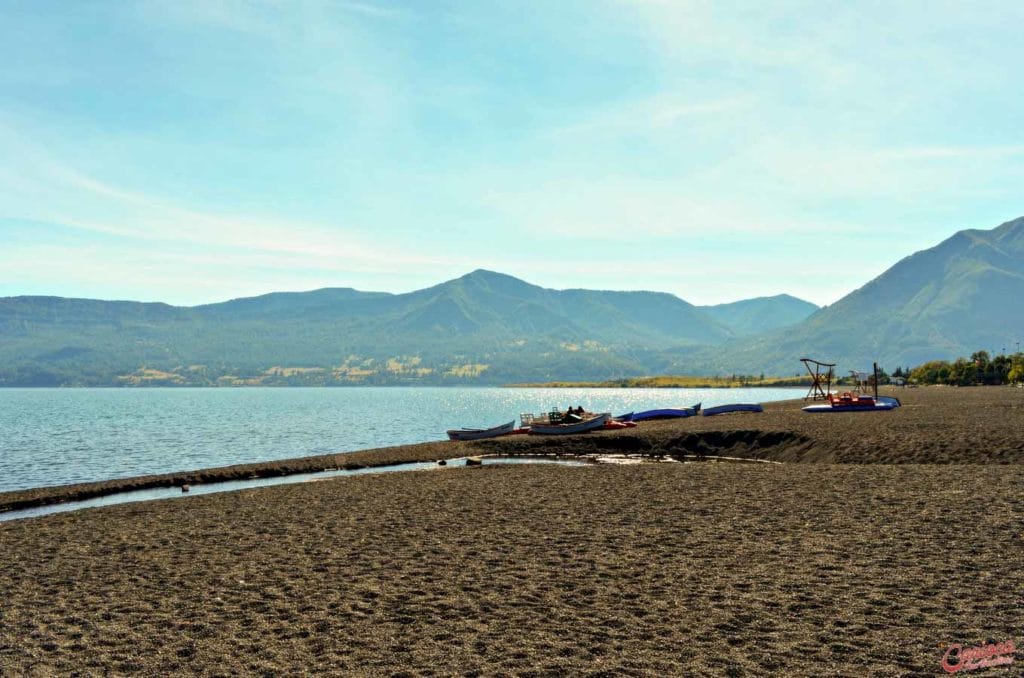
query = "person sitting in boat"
x=571 y=414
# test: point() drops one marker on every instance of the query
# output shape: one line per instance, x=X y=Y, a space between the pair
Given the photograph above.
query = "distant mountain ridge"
x=958 y=297
x=756 y=316
x=484 y=327
x=491 y=328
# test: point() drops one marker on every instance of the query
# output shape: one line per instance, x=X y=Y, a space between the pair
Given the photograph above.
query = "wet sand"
x=664 y=569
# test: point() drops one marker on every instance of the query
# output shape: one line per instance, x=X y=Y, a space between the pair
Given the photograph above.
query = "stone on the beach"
x=442 y=462
x=185 y=488
x=474 y=461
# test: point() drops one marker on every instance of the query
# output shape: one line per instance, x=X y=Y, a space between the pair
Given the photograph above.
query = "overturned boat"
x=667 y=413
x=732 y=407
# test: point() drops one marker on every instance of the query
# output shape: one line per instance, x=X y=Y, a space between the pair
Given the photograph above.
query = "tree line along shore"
x=980 y=369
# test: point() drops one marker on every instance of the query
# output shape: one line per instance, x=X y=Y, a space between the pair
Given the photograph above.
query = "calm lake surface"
x=61 y=436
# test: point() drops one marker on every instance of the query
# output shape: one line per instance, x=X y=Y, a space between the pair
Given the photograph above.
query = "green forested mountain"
x=763 y=314
x=487 y=328
x=951 y=300
x=484 y=327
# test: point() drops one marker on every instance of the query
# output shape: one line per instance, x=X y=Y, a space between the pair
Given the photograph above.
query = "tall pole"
x=875 y=367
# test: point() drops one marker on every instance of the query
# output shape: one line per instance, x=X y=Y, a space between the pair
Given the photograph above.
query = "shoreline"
x=985 y=422
x=697 y=385
x=553 y=385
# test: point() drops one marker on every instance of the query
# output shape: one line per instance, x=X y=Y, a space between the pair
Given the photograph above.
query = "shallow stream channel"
x=177 y=492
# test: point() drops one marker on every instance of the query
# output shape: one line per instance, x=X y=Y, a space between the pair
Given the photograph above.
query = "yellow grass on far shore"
x=677 y=381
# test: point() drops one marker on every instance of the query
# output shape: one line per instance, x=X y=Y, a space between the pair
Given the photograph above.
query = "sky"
x=194 y=151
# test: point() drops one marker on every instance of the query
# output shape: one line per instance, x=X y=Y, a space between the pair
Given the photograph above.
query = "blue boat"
x=667 y=413
x=733 y=407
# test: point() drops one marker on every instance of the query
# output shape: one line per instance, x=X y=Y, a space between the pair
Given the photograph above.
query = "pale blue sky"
x=192 y=151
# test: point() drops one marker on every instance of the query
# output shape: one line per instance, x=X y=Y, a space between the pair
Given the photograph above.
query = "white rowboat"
x=576 y=427
x=478 y=433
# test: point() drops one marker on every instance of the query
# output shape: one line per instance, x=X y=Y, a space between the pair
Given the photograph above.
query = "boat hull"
x=665 y=413
x=734 y=407
x=479 y=433
x=837 y=405
x=877 y=407
x=566 y=429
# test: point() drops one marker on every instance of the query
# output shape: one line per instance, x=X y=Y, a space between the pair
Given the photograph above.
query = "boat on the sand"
x=851 y=402
x=732 y=407
x=667 y=413
x=478 y=433
x=548 y=429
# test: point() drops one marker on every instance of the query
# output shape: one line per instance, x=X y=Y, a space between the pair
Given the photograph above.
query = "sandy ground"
x=660 y=569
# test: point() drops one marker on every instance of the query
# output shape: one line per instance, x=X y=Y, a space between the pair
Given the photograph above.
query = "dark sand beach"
x=883 y=538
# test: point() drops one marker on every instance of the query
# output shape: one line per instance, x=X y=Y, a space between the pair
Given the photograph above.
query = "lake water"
x=61 y=436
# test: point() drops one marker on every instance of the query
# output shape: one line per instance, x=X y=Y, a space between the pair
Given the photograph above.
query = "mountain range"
x=491 y=328
x=961 y=296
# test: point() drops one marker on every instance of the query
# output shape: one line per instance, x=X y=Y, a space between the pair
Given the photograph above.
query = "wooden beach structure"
x=821 y=378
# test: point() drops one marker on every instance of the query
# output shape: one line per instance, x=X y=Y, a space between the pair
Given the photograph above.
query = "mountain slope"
x=760 y=315
x=488 y=326
x=947 y=301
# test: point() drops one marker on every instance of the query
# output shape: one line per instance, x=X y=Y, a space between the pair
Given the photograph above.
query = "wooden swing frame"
x=819 y=378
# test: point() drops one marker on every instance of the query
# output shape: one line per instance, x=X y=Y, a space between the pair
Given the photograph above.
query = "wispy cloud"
x=651 y=115
x=953 y=152
x=835 y=169
x=241 y=16
x=663 y=211
x=374 y=10
x=67 y=196
x=320 y=58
